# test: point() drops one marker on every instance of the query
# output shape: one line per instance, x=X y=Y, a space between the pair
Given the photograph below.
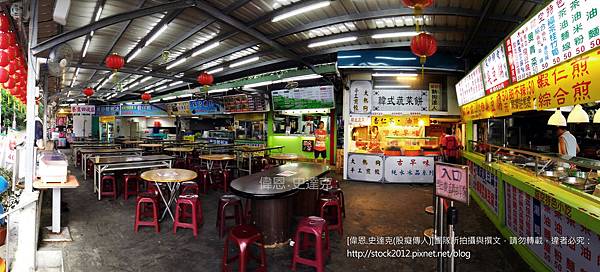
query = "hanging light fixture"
x=557 y=119
x=597 y=117
x=578 y=115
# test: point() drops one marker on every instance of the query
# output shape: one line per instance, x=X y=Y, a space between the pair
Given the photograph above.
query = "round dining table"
x=278 y=194
x=181 y=151
x=151 y=147
x=283 y=158
x=172 y=178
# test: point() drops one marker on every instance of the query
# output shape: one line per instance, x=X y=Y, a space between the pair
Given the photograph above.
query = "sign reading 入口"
x=452 y=182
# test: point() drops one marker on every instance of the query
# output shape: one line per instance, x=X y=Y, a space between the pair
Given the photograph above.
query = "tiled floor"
x=104 y=240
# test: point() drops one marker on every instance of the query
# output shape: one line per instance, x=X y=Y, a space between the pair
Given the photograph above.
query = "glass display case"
x=410 y=146
x=577 y=174
x=251 y=130
x=220 y=136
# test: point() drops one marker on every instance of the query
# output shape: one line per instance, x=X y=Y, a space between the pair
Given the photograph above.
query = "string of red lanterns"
x=13 y=69
x=423 y=45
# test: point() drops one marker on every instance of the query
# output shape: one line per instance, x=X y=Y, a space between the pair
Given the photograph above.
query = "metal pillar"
x=30 y=119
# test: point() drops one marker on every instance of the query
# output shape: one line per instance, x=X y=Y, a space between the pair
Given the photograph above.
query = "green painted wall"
x=293 y=144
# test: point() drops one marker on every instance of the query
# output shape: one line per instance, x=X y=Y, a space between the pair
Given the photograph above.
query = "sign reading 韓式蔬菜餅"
x=452 y=182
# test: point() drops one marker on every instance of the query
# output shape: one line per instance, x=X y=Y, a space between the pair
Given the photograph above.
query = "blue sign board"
x=201 y=106
x=108 y=110
x=143 y=110
x=395 y=59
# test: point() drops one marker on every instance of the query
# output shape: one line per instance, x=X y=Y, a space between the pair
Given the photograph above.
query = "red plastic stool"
x=247 y=210
x=334 y=202
x=189 y=188
x=243 y=237
x=128 y=179
x=148 y=199
x=335 y=192
x=195 y=215
x=180 y=163
x=224 y=202
x=202 y=178
x=317 y=227
x=108 y=186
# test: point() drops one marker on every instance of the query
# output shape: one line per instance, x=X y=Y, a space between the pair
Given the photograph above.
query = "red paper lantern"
x=9 y=84
x=12 y=38
x=417 y=4
x=146 y=97
x=114 y=61
x=88 y=92
x=4 y=59
x=11 y=67
x=12 y=51
x=14 y=91
x=4 y=23
x=423 y=45
x=4 y=40
x=205 y=79
x=3 y=75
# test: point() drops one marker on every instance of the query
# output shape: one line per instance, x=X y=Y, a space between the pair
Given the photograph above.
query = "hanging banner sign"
x=179 y=108
x=201 y=106
x=360 y=96
x=83 y=109
x=495 y=71
x=470 y=88
x=452 y=182
x=435 y=97
x=143 y=110
x=108 y=110
x=400 y=101
x=560 y=31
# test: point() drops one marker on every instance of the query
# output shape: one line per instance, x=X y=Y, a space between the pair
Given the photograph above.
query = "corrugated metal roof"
x=451 y=21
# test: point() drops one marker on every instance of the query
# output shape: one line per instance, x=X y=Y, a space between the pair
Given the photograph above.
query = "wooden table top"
x=132 y=159
x=111 y=150
x=72 y=182
x=150 y=145
x=132 y=142
x=289 y=157
x=218 y=157
x=179 y=149
x=289 y=176
x=169 y=175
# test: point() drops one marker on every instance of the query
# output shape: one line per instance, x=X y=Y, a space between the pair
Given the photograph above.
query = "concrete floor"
x=104 y=240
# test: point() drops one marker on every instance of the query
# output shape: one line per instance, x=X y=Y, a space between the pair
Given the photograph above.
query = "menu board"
x=400 y=101
x=143 y=110
x=495 y=71
x=470 y=88
x=83 y=109
x=562 y=243
x=402 y=169
x=518 y=97
x=360 y=96
x=179 y=108
x=318 y=97
x=365 y=167
x=485 y=184
x=244 y=103
x=560 y=31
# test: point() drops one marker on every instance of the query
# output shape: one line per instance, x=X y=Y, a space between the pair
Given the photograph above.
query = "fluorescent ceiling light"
x=218 y=91
x=246 y=61
x=161 y=88
x=170 y=98
x=98 y=13
x=160 y=31
x=214 y=71
x=149 y=92
x=394 y=35
x=204 y=49
x=137 y=52
x=298 y=78
x=145 y=79
x=333 y=41
x=300 y=11
x=85 y=48
x=176 y=63
x=350 y=57
x=154 y=101
x=391 y=87
x=64 y=105
x=176 y=83
x=394 y=75
x=185 y=95
x=394 y=58
x=265 y=83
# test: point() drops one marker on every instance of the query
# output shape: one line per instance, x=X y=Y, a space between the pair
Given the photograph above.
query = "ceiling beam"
x=396 y=12
x=484 y=13
x=107 y=21
x=135 y=72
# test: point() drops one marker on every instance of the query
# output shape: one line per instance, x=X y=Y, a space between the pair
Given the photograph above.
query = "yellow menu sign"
x=412 y=121
x=567 y=84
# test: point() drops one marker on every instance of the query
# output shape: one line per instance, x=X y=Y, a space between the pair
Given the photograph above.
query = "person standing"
x=450 y=146
x=567 y=143
x=320 y=148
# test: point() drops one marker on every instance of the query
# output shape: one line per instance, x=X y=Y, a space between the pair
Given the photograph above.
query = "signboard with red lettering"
x=495 y=71
x=83 y=109
x=403 y=169
x=485 y=185
x=470 y=88
x=452 y=182
x=544 y=225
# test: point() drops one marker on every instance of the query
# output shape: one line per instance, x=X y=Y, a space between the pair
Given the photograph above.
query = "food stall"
x=394 y=116
x=249 y=118
x=511 y=105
